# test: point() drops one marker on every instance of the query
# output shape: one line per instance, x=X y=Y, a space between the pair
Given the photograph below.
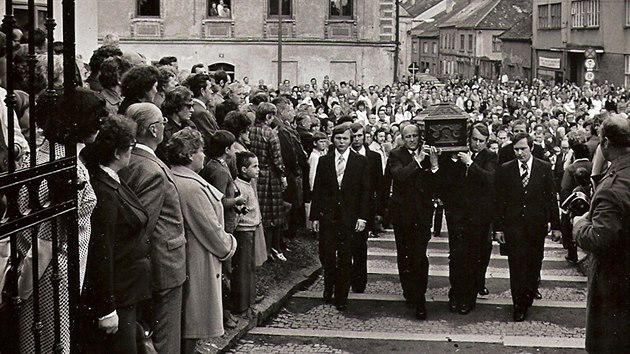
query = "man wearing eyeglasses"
x=151 y=180
x=467 y=190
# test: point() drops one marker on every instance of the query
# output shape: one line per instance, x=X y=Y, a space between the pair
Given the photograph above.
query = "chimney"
x=449 y=4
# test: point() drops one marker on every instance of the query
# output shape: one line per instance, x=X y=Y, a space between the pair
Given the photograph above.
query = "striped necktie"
x=340 y=170
x=525 y=175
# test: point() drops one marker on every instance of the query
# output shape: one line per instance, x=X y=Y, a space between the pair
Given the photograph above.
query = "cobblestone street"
x=379 y=318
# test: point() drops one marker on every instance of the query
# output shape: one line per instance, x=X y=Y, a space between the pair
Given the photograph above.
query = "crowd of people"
x=192 y=180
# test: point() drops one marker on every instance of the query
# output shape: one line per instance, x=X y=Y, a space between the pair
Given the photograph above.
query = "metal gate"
x=22 y=211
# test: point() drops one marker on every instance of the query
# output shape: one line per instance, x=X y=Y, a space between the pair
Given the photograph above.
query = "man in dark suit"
x=204 y=120
x=467 y=190
x=152 y=181
x=558 y=164
x=414 y=181
x=359 y=246
x=506 y=153
x=526 y=208
x=339 y=209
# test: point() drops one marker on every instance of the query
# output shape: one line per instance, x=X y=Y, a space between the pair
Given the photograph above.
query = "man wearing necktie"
x=339 y=211
x=526 y=208
x=414 y=179
x=467 y=190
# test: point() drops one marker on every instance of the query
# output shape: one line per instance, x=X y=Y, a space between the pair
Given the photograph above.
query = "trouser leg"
x=359 y=261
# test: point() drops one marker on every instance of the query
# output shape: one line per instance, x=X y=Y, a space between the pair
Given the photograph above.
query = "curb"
x=261 y=315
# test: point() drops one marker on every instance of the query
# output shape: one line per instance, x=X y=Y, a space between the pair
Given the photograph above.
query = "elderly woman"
x=139 y=84
x=79 y=124
x=208 y=243
x=177 y=107
x=118 y=276
x=272 y=180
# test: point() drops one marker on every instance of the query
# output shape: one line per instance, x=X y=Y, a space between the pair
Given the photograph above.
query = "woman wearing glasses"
x=177 y=107
x=118 y=275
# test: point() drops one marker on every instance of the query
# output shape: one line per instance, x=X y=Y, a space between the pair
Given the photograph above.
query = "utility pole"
x=397 y=37
x=279 y=44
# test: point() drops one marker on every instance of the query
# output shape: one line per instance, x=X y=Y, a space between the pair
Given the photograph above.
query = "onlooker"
x=204 y=120
x=208 y=243
x=75 y=119
x=177 y=108
x=243 y=263
x=139 y=84
x=603 y=231
x=153 y=183
x=118 y=275
x=112 y=71
x=98 y=56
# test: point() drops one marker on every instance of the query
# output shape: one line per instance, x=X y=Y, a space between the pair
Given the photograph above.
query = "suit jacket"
x=568 y=179
x=518 y=208
x=469 y=193
x=204 y=121
x=377 y=188
x=118 y=271
x=412 y=189
x=347 y=203
x=153 y=183
x=558 y=169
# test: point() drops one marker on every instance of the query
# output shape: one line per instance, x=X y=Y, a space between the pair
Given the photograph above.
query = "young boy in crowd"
x=243 y=264
x=320 y=145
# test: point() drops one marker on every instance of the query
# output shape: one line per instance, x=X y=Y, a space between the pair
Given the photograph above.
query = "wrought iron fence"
x=34 y=196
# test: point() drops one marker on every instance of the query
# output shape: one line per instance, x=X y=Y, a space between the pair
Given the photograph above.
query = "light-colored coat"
x=208 y=245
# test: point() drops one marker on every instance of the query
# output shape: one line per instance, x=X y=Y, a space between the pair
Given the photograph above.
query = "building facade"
x=566 y=32
x=345 y=39
x=516 y=48
x=469 y=40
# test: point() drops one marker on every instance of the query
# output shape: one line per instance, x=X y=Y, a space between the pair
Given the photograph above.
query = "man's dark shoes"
x=572 y=260
x=537 y=295
x=484 y=291
x=453 y=306
x=328 y=294
x=358 y=289
x=421 y=312
x=341 y=307
x=519 y=313
x=465 y=309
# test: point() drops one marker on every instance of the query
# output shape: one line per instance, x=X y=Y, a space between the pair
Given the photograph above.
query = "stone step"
x=441 y=243
x=551 y=255
x=389 y=266
x=387 y=287
x=496 y=261
x=383 y=320
x=276 y=344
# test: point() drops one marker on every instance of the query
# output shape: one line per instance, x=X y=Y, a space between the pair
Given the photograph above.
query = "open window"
x=341 y=8
x=219 y=9
x=148 y=8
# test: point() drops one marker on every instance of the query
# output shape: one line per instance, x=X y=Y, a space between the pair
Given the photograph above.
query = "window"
x=435 y=49
x=555 y=15
x=584 y=13
x=340 y=8
x=148 y=8
x=425 y=47
x=274 y=8
x=220 y=8
x=496 y=44
x=627 y=13
x=627 y=71
x=470 y=43
x=462 y=42
x=22 y=20
x=543 y=16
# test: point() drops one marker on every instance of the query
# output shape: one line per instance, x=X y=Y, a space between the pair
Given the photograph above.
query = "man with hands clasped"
x=339 y=211
x=526 y=208
x=414 y=181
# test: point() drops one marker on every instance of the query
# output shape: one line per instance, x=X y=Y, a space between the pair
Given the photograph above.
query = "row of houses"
x=524 y=39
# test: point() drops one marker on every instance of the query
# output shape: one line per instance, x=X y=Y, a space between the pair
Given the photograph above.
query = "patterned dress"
x=86 y=202
x=265 y=144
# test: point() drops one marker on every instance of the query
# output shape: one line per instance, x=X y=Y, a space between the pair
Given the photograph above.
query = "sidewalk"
x=278 y=281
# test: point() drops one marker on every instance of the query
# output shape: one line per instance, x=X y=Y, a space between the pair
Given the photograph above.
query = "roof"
x=417 y=7
x=490 y=14
x=431 y=29
x=521 y=31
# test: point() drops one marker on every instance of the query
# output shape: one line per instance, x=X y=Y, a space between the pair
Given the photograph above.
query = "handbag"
x=144 y=343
